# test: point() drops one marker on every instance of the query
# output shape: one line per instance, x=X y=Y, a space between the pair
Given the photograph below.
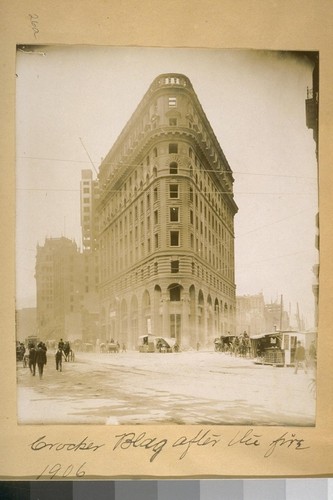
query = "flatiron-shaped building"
x=166 y=224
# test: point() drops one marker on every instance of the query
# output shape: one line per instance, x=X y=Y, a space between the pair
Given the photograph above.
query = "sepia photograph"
x=167 y=236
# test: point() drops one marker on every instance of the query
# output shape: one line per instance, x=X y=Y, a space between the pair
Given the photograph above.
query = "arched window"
x=174 y=291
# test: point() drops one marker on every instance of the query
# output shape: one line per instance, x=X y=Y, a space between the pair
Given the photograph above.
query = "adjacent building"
x=166 y=224
x=25 y=320
x=276 y=317
x=60 y=288
x=251 y=314
x=89 y=194
x=312 y=116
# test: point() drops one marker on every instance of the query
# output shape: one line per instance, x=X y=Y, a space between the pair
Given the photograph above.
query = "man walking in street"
x=58 y=358
x=41 y=358
x=300 y=361
x=32 y=359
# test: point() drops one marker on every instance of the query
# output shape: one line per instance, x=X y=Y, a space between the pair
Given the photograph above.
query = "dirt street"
x=159 y=388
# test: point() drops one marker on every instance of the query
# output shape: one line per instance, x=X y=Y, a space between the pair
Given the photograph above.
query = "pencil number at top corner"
x=34 y=22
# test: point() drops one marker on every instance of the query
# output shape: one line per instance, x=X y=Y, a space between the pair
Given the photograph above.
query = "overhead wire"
x=129 y=165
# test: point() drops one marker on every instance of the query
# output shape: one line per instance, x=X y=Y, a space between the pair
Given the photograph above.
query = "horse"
x=112 y=347
x=244 y=347
x=68 y=352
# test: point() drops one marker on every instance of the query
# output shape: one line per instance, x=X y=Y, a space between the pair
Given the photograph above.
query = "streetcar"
x=278 y=348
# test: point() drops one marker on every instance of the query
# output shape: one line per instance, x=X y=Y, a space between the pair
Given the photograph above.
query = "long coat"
x=41 y=356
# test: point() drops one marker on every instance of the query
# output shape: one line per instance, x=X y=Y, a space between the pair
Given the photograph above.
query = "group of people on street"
x=20 y=351
x=37 y=357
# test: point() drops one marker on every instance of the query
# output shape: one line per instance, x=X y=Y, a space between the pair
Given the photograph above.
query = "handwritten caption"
x=34 y=22
x=155 y=447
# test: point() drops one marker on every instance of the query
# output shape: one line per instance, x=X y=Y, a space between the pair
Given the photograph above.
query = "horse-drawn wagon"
x=152 y=343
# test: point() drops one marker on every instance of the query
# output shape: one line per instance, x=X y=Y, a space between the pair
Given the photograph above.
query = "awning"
x=262 y=335
x=259 y=336
x=167 y=340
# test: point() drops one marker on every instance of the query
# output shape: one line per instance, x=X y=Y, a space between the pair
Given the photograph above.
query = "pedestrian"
x=32 y=358
x=41 y=358
x=58 y=359
x=61 y=344
x=300 y=361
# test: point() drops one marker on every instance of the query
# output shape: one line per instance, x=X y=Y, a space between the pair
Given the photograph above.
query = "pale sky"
x=255 y=102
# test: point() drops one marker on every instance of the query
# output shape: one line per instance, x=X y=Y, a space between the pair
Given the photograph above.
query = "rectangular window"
x=191 y=216
x=173 y=148
x=174 y=238
x=175 y=266
x=172 y=102
x=156 y=217
x=191 y=194
x=173 y=168
x=172 y=122
x=192 y=241
x=156 y=240
x=155 y=194
x=173 y=191
x=174 y=214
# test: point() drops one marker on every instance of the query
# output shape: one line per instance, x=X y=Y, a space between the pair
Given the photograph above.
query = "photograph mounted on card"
x=162 y=315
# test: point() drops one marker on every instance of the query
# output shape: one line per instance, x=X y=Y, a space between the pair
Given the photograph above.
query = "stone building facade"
x=251 y=314
x=166 y=224
x=60 y=289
